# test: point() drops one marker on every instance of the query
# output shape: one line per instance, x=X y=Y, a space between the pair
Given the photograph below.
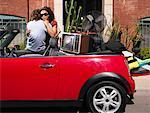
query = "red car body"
x=59 y=78
x=100 y=81
x=25 y=79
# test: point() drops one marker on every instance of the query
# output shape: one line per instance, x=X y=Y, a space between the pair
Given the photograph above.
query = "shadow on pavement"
x=41 y=110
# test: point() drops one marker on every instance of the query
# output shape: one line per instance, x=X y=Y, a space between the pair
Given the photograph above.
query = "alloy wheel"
x=107 y=99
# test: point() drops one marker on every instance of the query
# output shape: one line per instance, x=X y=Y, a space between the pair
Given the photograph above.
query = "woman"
x=47 y=16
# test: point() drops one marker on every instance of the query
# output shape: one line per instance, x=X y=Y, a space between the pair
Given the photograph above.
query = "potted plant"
x=130 y=36
x=73 y=12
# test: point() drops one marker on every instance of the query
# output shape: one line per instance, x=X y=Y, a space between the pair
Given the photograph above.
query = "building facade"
x=23 y=8
x=130 y=11
x=127 y=12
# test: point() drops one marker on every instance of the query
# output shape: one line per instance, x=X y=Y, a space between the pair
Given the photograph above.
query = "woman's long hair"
x=50 y=12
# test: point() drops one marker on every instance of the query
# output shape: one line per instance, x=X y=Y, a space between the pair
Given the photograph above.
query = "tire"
x=106 y=97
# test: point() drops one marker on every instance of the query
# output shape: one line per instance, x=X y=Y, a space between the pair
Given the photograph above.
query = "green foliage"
x=73 y=16
x=113 y=32
x=145 y=53
x=130 y=36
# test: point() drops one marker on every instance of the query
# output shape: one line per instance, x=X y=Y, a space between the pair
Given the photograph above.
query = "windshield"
x=7 y=37
x=3 y=38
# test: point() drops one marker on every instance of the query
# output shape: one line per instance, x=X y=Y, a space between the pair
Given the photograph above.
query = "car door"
x=75 y=70
x=34 y=78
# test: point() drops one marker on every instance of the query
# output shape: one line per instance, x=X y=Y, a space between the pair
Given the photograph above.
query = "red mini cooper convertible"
x=99 y=81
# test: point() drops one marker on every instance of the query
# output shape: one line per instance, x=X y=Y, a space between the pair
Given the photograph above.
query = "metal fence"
x=146 y=34
x=12 y=23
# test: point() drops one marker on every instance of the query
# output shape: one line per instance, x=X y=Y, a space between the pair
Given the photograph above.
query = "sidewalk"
x=142 y=82
x=141 y=97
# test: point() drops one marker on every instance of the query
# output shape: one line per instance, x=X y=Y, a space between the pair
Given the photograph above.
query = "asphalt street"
x=141 y=102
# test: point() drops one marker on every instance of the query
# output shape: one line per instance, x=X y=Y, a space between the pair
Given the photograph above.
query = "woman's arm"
x=51 y=31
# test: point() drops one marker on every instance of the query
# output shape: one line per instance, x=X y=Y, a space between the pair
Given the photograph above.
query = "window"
x=87 y=5
x=145 y=25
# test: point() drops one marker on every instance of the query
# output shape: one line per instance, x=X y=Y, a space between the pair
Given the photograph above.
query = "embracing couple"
x=41 y=28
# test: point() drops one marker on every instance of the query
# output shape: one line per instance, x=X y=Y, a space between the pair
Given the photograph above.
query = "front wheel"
x=106 y=97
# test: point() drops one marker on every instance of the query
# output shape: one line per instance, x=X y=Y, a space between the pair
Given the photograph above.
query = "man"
x=36 y=33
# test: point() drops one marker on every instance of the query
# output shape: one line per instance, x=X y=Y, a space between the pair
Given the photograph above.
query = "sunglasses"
x=45 y=14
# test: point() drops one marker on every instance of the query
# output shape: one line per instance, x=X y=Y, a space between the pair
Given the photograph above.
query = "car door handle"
x=47 y=65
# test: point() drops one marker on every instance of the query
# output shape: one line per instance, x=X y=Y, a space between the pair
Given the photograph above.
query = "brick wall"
x=129 y=11
x=14 y=7
x=20 y=7
x=126 y=11
x=34 y=4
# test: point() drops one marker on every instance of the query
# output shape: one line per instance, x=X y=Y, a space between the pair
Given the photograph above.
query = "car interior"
x=103 y=48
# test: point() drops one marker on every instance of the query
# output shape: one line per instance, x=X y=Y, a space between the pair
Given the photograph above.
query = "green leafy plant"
x=145 y=53
x=73 y=16
x=130 y=36
x=114 y=32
